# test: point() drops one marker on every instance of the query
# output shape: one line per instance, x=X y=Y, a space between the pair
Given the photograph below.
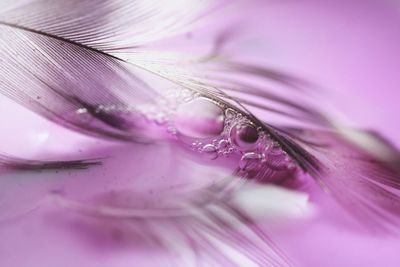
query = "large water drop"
x=200 y=118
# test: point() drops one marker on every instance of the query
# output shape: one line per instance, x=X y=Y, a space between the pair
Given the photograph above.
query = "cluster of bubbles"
x=212 y=129
x=215 y=149
x=234 y=133
x=163 y=111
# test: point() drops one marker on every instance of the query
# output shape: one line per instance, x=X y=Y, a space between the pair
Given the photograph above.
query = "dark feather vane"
x=17 y=164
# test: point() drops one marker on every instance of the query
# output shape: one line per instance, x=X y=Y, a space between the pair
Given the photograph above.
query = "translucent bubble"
x=223 y=144
x=244 y=136
x=273 y=148
x=200 y=118
x=277 y=161
x=250 y=161
x=230 y=113
x=82 y=115
x=210 y=151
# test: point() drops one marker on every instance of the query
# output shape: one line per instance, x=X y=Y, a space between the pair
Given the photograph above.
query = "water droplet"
x=223 y=144
x=209 y=148
x=83 y=115
x=273 y=148
x=200 y=118
x=171 y=129
x=82 y=111
x=244 y=136
x=277 y=162
x=250 y=161
x=230 y=113
x=210 y=151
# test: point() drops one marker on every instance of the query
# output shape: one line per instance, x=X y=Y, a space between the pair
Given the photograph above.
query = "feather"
x=17 y=164
x=361 y=170
x=70 y=43
x=214 y=228
x=91 y=74
x=78 y=80
x=64 y=80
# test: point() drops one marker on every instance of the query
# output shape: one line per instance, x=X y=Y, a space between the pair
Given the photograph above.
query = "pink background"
x=348 y=48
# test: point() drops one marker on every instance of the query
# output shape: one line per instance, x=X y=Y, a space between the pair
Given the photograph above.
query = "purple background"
x=348 y=48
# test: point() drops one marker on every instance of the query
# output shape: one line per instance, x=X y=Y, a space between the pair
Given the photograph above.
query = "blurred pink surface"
x=349 y=48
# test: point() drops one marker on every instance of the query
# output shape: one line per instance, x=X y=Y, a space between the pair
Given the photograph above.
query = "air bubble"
x=171 y=129
x=273 y=148
x=82 y=111
x=223 y=144
x=244 y=136
x=83 y=115
x=277 y=162
x=250 y=161
x=195 y=144
x=229 y=113
x=200 y=118
x=210 y=151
